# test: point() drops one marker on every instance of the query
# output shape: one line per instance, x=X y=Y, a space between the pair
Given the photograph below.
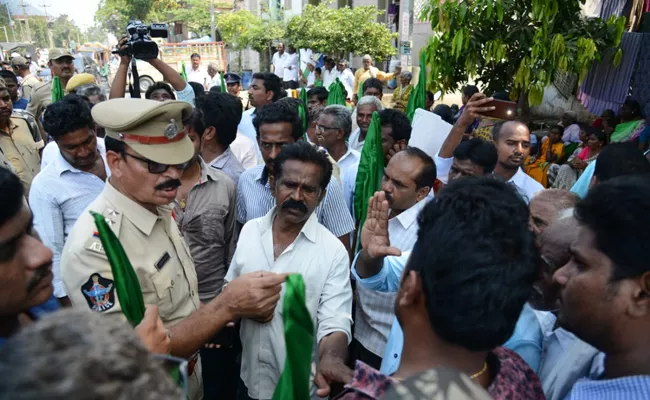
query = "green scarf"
x=57 y=90
x=336 y=93
x=370 y=170
x=299 y=338
x=183 y=72
x=418 y=98
x=224 y=88
x=126 y=281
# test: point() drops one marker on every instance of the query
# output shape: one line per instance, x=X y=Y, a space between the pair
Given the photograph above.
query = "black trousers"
x=290 y=84
x=358 y=352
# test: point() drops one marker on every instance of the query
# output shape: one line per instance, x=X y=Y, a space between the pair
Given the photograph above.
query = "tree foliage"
x=39 y=28
x=114 y=15
x=242 y=29
x=196 y=15
x=516 y=45
x=64 y=31
x=341 y=31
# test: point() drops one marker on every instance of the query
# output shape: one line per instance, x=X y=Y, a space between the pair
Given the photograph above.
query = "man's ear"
x=269 y=95
x=114 y=161
x=422 y=193
x=410 y=289
x=272 y=184
x=640 y=304
x=209 y=133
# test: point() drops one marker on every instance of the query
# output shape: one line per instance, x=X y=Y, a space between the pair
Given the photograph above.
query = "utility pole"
x=405 y=33
x=11 y=21
x=47 y=18
x=29 y=33
x=213 y=32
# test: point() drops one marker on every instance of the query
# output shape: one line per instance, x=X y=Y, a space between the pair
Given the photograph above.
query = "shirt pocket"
x=206 y=228
x=165 y=283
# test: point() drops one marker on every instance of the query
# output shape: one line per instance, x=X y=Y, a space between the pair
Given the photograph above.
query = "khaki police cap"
x=152 y=128
x=19 y=62
x=55 y=54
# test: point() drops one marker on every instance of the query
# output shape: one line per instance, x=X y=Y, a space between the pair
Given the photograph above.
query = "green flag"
x=299 y=338
x=336 y=93
x=359 y=92
x=183 y=72
x=418 y=97
x=57 y=90
x=302 y=111
x=125 y=279
x=224 y=88
x=370 y=170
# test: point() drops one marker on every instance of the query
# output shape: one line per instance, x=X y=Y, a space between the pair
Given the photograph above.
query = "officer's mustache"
x=170 y=184
x=298 y=205
x=41 y=272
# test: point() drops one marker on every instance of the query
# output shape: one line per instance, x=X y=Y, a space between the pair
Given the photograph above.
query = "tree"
x=95 y=33
x=64 y=32
x=338 y=32
x=196 y=15
x=40 y=32
x=114 y=15
x=516 y=45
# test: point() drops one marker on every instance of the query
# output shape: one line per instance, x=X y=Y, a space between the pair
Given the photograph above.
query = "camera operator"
x=184 y=92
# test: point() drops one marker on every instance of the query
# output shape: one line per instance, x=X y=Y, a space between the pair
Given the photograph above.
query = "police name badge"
x=99 y=292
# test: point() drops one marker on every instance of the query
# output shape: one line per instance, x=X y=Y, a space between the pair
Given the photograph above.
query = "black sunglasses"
x=158 y=168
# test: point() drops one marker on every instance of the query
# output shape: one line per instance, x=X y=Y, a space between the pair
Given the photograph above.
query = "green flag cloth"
x=418 y=97
x=299 y=338
x=336 y=93
x=57 y=90
x=302 y=110
x=318 y=82
x=224 y=88
x=183 y=72
x=370 y=170
x=125 y=279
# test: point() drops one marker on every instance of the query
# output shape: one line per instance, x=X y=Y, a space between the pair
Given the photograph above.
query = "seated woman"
x=551 y=151
x=632 y=122
x=403 y=91
x=568 y=174
x=554 y=168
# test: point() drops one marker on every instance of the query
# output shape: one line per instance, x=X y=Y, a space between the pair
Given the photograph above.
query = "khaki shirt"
x=207 y=221
x=41 y=98
x=28 y=84
x=157 y=253
x=21 y=150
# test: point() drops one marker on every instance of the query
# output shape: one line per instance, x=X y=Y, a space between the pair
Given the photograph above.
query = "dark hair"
x=67 y=115
x=620 y=159
x=272 y=83
x=372 y=83
x=6 y=74
x=303 y=151
x=12 y=200
x=479 y=152
x=498 y=127
x=398 y=120
x=318 y=70
x=617 y=213
x=609 y=113
x=428 y=174
x=195 y=120
x=635 y=106
x=159 y=85
x=195 y=55
x=469 y=91
x=215 y=89
x=600 y=135
x=313 y=115
x=489 y=264
x=223 y=111
x=430 y=96
x=319 y=91
x=444 y=111
x=556 y=127
x=199 y=93
x=281 y=111
x=114 y=145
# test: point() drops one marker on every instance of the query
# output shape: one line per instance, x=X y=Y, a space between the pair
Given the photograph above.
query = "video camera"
x=140 y=44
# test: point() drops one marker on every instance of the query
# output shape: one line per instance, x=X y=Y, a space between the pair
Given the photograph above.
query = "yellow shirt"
x=20 y=149
x=361 y=75
x=158 y=254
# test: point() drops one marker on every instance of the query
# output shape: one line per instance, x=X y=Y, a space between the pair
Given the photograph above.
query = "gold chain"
x=481 y=372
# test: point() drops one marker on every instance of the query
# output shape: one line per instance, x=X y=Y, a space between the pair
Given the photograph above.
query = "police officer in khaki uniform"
x=17 y=142
x=147 y=150
x=61 y=63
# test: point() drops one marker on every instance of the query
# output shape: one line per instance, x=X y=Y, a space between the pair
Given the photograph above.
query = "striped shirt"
x=254 y=200
x=627 y=388
x=59 y=194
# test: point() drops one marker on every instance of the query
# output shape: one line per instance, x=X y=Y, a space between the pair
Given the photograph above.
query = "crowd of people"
x=494 y=268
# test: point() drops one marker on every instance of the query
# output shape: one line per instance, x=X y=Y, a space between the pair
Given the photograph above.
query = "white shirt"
x=526 y=186
x=571 y=134
x=247 y=129
x=347 y=78
x=324 y=264
x=348 y=162
x=311 y=78
x=216 y=81
x=278 y=63
x=375 y=312
x=291 y=68
x=305 y=56
x=329 y=77
x=443 y=166
x=199 y=76
x=353 y=141
x=245 y=150
x=58 y=196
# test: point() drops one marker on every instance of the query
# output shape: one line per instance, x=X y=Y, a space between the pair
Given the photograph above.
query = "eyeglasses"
x=322 y=128
x=177 y=369
x=158 y=168
x=268 y=146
